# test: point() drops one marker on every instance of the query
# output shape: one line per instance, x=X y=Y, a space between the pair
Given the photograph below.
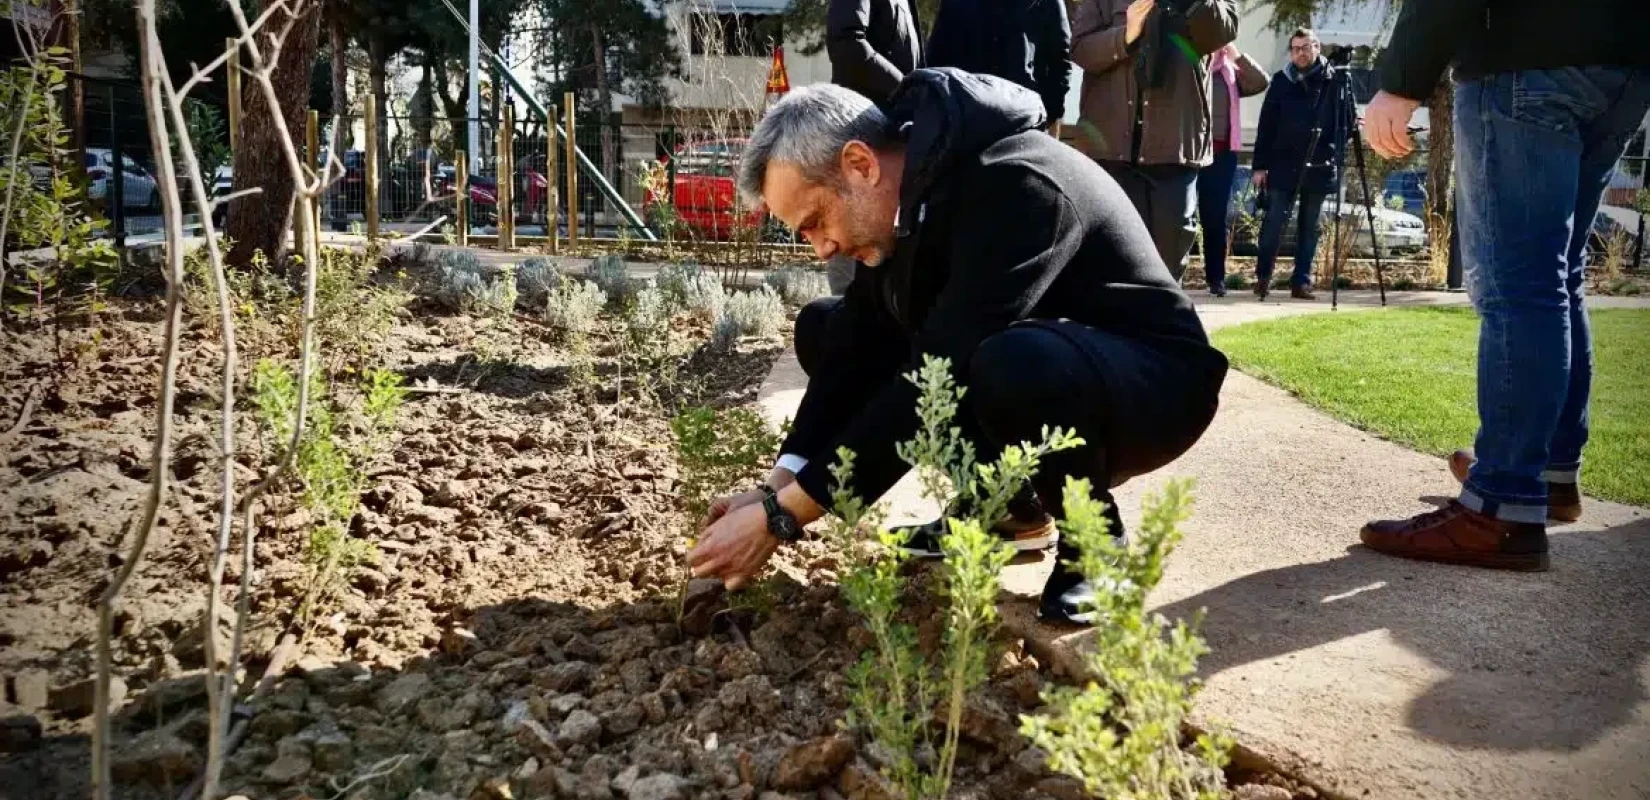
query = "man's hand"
x=1231 y=50
x=1135 y=19
x=1386 y=124
x=735 y=548
x=1258 y=178
x=720 y=507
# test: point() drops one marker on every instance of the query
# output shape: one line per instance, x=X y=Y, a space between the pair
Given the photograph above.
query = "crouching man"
x=992 y=245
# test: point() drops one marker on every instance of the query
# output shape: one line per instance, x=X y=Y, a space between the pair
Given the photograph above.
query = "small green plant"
x=651 y=345
x=613 y=277
x=470 y=288
x=536 y=278
x=724 y=336
x=354 y=313
x=1237 y=280
x=572 y=310
x=673 y=280
x=756 y=313
x=1120 y=734
x=718 y=450
x=798 y=285
x=894 y=692
x=703 y=297
x=1404 y=283
x=330 y=466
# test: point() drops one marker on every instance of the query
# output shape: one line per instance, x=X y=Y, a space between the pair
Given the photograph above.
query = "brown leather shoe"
x=1455 y=534
x=1563 y=499
x=1302 y=293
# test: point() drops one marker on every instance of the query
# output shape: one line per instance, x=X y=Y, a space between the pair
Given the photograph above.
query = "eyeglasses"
x=1303 y=48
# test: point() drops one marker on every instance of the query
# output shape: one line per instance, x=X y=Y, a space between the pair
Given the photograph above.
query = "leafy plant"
x=330 y=466
x=536 y=278
x=572 y=309
x=756 y=313
x=718 y=450
x=894 y=691
x=724 y=335
x=673 y=279
x=1237 y=280
x=1120 y=734
x=468 y=287
x=798 y=285
x=610 y=274
x=703 y=297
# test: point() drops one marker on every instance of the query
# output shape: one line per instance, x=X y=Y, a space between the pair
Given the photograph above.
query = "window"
x=736 y=34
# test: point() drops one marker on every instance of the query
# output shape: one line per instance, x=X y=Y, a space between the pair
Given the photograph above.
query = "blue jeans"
x=1534 y=150
x=1214 y=197
x=1279 y=202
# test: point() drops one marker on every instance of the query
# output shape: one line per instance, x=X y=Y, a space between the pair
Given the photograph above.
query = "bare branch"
x=247 y=192
x=154 y=65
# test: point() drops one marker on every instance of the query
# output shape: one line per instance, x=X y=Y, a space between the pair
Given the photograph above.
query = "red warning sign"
x=779 y=82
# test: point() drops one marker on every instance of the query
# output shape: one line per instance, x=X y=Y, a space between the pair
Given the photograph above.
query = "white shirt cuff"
x=792 y=462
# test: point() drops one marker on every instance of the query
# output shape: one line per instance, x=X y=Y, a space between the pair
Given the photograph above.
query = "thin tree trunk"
x=338 y=42
x=259 y=222
x=604 y=93
x=379 y=139
x=1440 y=158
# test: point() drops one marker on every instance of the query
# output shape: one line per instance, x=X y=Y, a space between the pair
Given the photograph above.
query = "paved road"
x=1378 y=677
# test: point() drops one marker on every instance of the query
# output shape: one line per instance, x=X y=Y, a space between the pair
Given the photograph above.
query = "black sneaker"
x=1068 y=598
x=923 y=541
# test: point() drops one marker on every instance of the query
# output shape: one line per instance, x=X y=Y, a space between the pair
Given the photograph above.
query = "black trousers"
x=1166 y=197
x=1138 y=405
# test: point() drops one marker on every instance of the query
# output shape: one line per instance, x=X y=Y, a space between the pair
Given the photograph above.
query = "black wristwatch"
x=781 y=523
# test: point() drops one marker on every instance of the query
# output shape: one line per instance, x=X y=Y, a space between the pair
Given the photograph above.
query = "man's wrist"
x=795 y=499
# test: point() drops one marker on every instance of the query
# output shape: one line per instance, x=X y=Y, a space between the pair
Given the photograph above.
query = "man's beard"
x=870 y=238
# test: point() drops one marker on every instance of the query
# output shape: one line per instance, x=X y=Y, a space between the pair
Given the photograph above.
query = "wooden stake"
x=506 y=174
x=233 y=69
x=461 y=170
x=312 y=139
x=552 y=187
x=372 y=170
x=572 y=174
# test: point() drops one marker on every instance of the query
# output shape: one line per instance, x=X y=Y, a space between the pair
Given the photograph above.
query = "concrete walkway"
x=1372 y=676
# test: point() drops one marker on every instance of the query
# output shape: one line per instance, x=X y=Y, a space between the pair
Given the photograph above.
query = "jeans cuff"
x=1506 y=512
x=1561 y=475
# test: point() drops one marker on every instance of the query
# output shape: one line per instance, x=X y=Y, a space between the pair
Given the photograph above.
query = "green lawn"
x=1409 y=375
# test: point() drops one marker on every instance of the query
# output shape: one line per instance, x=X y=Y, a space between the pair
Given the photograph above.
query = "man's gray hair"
x=809 y=128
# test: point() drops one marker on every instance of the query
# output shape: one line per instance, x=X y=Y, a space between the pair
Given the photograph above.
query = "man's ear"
x=860 y=162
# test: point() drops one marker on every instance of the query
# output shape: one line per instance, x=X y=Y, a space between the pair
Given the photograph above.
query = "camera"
x=1338 y=55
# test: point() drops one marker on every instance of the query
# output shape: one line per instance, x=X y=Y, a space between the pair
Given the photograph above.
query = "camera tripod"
x=1337 y=85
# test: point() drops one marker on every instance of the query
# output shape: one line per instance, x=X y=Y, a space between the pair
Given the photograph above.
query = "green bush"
x=536 y=278
x=613 y=277
x=756 y=313
x=798 y=285
x=1237 y=280
x=470 y=288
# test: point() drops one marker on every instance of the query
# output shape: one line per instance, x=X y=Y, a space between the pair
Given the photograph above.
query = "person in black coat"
x=1024 y=41
x=872 y=44
x=991 y=245
x=1300 y=98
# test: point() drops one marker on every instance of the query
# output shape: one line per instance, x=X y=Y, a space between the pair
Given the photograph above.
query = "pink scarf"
x=1226 y=69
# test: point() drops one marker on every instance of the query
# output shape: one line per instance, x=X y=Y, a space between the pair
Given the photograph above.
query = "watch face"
x=780 y=522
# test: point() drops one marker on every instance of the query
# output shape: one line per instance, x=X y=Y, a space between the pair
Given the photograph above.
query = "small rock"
x=425 y=794
x=659 y=786
x=1025 y=687
x=333 y=749
x=624 y=720
x=1256 y=791
x=403 y=692
x=31 y=689
x=709 y=719
x=626 y=779
x=564 y=704
x=430 y=515
x=78 y=699
x=162 y=698
x=454 y=493
x=157 y=758
x=565 y=677
x=459 y=642
x=488 y=659
x=19 y=734
x=493 y=789
x=580 y=727
x=637 y=675
x=547 y=783
x=861 y=781
x=1062 y=787
x=653 y=708
x=275 y=723
x=812 y=763
x=526 y=769
x=441 y=714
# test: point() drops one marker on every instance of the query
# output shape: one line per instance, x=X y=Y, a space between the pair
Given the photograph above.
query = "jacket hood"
x=944 y=116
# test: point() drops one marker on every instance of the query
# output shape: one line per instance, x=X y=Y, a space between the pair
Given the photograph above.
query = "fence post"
x=233 y=70
x=371 y=199
x=1638 y=247
x=115 y=199
x=670 y=163
x=505 y=172
x=312 y=139
x=572 y=174
x=552 y=182
x=461 y=177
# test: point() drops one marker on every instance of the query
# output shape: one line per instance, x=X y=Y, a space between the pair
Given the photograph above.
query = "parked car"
x=1408 y=187
x=703 y=196
x=1399 y=232
x=138 y=187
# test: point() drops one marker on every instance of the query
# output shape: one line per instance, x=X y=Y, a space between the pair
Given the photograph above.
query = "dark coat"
x=999 y=223
x=872 y=44
x=1024 y=41
x=1291 y=110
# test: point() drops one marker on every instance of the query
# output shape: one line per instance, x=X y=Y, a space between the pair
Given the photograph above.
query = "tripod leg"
x=1369 y=210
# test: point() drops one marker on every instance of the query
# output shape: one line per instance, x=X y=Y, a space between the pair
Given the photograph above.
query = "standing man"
x=1024 y=41
x=1547 y=95
x=1145 y=104
x=1233 y=76
x=872 y=44
x=1301 y=99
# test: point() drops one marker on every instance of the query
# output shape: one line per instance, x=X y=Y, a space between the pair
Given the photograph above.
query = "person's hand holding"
x=1258 y=179
x=1231 y=50
x=720 y=507
x=1135 y=19
x=734 y=548
x=1386 y=124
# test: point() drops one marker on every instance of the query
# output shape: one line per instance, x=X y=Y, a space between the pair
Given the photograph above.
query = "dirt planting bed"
x=519 y=635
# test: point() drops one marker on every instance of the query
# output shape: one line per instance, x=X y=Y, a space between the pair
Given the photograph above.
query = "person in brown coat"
x=1145 y=109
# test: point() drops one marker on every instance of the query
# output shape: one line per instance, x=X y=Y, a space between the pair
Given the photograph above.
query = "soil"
x=519 y=637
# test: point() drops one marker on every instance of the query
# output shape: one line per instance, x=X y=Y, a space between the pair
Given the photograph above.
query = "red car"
x=704 y=198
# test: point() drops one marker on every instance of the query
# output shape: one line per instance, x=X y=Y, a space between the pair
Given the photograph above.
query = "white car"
x=138 y=188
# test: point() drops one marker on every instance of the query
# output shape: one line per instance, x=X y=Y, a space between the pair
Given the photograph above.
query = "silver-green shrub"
x=613 y=278
x=574 y=306
x=469 y=287
x=756 y=313
x=798 y=285
x=535 y=279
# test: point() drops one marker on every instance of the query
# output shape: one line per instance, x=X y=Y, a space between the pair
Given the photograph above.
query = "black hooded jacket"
x=999 y=223
x=1025 y=41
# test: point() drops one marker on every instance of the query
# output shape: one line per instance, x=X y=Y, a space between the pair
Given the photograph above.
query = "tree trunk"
x=1440 y=158
x=424 y=116
x=604 y=114
x=259 y=223
x=338 y=43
